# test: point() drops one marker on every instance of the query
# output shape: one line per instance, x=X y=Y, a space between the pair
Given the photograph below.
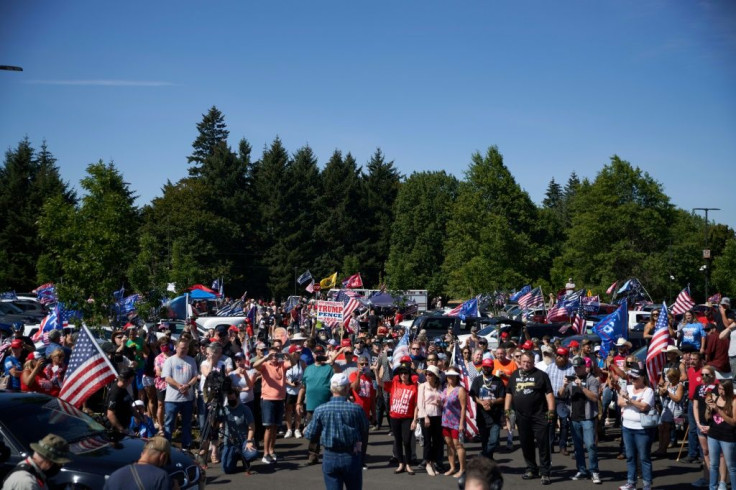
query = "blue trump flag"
x=177 y=308
x=612 y=328
x=470 y=308
x=520 y=293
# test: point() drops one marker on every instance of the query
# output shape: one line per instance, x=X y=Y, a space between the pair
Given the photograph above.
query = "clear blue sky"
x=558 y=86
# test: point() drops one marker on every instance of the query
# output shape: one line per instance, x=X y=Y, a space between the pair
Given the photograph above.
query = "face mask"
x=321 y=358
x=232 y=403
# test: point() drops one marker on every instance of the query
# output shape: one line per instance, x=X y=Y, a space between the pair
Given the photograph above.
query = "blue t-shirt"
x=692 y=335
x=152 y=477
x=145 y=429
x=307 y=357
x=10 y=363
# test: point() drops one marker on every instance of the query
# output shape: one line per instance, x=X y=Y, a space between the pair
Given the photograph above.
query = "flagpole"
x=99 y=349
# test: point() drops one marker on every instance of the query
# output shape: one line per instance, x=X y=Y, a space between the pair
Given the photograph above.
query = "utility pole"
x=706 y=250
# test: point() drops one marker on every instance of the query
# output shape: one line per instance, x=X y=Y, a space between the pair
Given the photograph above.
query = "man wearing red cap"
x=12 y=365
x=557 y=373
x=488 y=391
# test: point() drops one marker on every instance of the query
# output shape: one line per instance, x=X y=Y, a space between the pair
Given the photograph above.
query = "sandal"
x=410 y=471
x=430 y=470
x=398 y=470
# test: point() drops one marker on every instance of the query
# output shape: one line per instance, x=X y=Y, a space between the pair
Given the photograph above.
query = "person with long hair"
x=701 y=413
x=403 y=413
x=429 y=415
x=454 y=403
x=672 y=392
x=721 y=432
x=635 y=400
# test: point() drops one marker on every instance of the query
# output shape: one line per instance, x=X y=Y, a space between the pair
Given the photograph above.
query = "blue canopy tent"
x=198 y=294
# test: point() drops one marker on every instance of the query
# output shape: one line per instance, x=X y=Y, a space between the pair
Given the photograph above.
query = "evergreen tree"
x=422 y=210
x=553 y=198
x=212 y=131
x=338 y=230
x=27 y=180
x=381 y=183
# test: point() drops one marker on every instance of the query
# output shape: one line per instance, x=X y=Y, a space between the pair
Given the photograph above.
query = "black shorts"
x=291 y=400
x=161 y=395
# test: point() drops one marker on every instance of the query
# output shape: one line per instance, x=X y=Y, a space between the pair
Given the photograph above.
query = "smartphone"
x=622 y=384
x=571 y=377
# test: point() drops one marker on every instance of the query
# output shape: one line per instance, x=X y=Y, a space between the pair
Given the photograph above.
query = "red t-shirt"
x=694 y=379
x=365 y=394
x=403 y=400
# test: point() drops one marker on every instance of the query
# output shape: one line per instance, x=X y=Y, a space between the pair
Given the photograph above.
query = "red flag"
x=88 y=371
x=353 y=281
x=611 y=288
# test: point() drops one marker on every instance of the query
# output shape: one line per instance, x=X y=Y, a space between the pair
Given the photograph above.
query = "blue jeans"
x=489 y=439
x=715 y=448
x=171 y=409
x=583 y=432
x=638 y=443
x=693 y=444
x=342 y=470
x=230 y=456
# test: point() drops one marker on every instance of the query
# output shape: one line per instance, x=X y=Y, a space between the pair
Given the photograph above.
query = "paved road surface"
x=291 y=471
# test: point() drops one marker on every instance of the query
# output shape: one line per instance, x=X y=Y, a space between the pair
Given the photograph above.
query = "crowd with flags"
x=438 y=390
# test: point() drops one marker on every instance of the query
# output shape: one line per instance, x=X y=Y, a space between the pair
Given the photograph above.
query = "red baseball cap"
x=382 y=331
x=233 y=328
x=294 y=348
x=562 y=351
x=504 y=335
x=574 y=343
x=488 y=363
x=528 y=345
x=346 y=343
x=16 y=344
x=404 y=359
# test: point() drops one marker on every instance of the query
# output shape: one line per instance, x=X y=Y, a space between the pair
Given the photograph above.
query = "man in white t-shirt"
x=180 y=373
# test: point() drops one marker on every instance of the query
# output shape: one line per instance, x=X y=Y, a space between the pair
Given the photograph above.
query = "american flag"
x=578 y=322
x=471 y=428
x=88 y=371
x=557 y=311
x=656 y=357
x=683 y=302
x=715 y=299
x=401 y=349
x=46 y=293
x=531 y=299
x=52 y=321
x=348 y=309
x=246 y=351
x=456 y=310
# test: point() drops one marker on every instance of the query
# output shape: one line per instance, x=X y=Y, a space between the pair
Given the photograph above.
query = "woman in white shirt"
x=429 y=415
x=637 y=399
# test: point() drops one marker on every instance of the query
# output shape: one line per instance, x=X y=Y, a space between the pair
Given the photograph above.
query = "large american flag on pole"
x=89 y=370
x=531 y=299
x=471 y=427
x=578 y=321
x=656 y=357
x=683 y=302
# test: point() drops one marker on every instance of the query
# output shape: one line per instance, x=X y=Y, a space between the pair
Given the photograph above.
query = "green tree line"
x=260 y=222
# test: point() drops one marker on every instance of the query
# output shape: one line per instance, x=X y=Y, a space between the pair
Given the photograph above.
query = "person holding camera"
x=273 y=369
x=12 y=365
x=33 y=377
x=240 y=429
x=120 y=403
x=582 y=391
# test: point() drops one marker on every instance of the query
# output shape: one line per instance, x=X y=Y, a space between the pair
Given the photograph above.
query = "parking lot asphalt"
x=292 y=471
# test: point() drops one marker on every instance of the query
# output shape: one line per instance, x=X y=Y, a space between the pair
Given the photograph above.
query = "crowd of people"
x=246 y=385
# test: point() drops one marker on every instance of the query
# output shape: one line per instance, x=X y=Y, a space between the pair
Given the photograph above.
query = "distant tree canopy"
x=258 y=224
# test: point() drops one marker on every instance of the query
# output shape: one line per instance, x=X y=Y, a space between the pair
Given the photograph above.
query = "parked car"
x=26 y=418
x=9 y=314
x=435 y=325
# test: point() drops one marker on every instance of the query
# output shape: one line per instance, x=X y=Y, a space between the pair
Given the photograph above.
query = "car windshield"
x=485 y=331
x=37 y=416
x=10 y=309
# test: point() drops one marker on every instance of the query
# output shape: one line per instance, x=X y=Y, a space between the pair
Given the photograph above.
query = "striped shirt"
x=339 y=423
x=557 y=376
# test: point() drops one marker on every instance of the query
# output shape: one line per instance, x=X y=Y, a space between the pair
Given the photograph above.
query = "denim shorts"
x=272 y=412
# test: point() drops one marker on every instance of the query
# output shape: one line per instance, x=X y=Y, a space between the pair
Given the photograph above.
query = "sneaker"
x=288 y=434
x=580 y=476
x=647 y=486
x=266 y=459
x=722 y=485
x=365 y=467
x=628 y=486
x=298 y=434
x=692 y=459
x=510 y=441
x=700 y=483
x=545 y=480
x=375 y=428
x=596 y=478
x=273 y=457
x=529 y=475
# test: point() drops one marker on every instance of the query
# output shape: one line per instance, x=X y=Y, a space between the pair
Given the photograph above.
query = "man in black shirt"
x=530 y=393
x=120 y=403
x=488 y=392
x=583 y=394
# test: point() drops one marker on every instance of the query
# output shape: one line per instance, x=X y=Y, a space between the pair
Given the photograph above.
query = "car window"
x=10 y=309
x=38 y=416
